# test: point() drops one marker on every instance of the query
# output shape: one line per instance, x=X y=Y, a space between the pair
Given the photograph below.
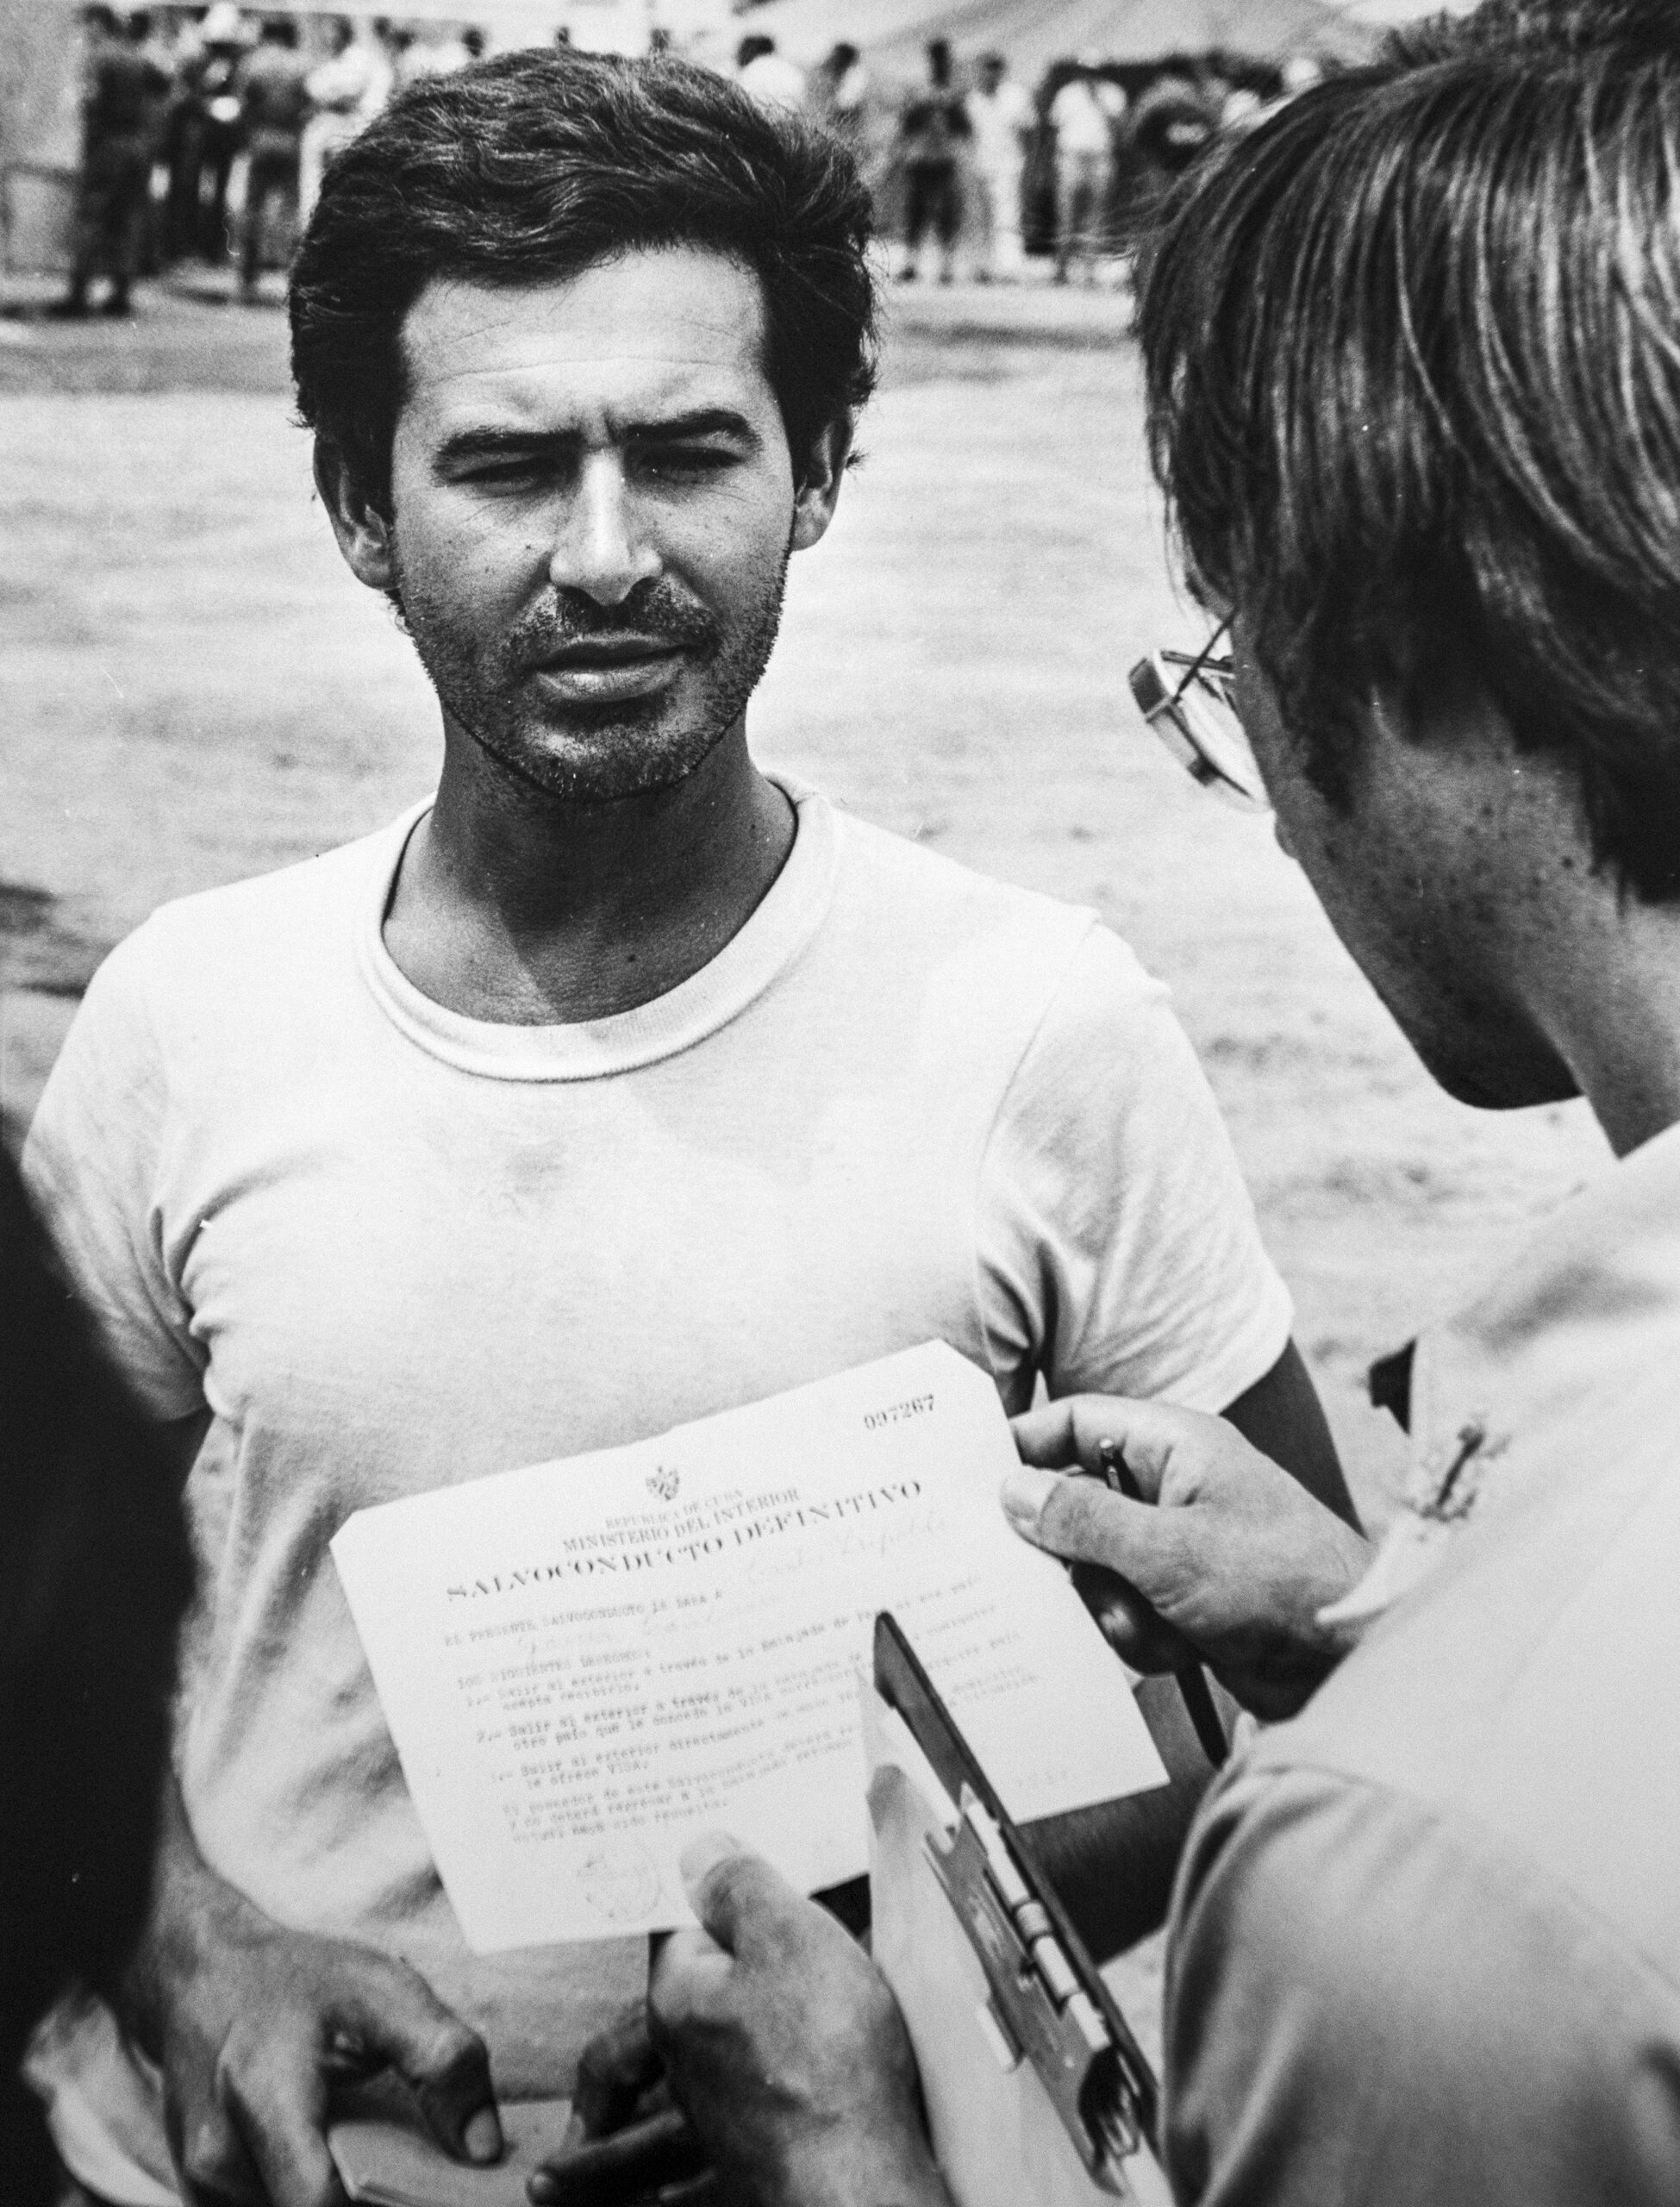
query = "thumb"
x=1083 y=1522
x=737 y=1896
x=444 y=2062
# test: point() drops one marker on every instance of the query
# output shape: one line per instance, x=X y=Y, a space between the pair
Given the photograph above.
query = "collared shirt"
x=1427 y=1936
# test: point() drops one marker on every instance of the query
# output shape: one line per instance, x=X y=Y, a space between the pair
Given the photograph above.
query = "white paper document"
x=584 y=1663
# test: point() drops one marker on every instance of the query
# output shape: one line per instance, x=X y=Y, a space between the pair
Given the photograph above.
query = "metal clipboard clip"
x=943 y=1847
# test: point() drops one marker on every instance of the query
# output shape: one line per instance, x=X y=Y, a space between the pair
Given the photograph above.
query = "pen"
x=1192 y=1685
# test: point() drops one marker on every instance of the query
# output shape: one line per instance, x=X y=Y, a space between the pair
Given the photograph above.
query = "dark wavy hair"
x=1413 y=361
x=534 y=167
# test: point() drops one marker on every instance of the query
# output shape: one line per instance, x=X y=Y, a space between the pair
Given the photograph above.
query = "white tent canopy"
x=597 y=26
x=1033 y=33
x=510 y=22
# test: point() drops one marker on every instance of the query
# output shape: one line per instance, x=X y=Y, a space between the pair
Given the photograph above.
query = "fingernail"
x=1026 y=1490
x=703 y=1855
x=483 y=2136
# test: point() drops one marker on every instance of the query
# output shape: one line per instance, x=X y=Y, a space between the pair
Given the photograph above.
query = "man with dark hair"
x=1411 y=355
x=934 y=133
x=620 y=1084
x=122 y=93
x=274 y=106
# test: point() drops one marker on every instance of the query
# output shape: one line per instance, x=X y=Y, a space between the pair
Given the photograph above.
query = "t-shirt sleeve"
x=93 y=1162
x=1118 y=1248
x=1372 y=2002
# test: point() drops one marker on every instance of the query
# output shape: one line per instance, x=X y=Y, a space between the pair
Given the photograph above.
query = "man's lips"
x=603 y=670
x=608 y=651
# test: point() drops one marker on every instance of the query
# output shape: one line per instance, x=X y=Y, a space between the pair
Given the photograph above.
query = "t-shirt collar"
x=775 y=934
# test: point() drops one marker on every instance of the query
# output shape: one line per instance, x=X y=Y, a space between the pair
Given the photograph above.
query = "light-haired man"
x=1410 y=351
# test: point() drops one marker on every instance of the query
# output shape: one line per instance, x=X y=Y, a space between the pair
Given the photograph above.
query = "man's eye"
x=673 y=461
x=506 y=474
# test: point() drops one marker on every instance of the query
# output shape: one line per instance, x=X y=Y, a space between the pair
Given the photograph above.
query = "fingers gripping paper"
x=584 y=1663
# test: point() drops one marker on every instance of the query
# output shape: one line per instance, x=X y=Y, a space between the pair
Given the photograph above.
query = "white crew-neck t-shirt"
x=394 y=1248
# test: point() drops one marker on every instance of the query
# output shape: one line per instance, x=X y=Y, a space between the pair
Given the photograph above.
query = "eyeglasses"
x=1189 y=703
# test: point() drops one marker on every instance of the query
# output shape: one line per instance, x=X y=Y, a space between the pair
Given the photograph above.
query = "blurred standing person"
x=346 y=92
x=1002 y=116
x=408 y=65
x=209 y=138
x=433 y=57
x=274 y=104
x=122 y=97
x=768 y=77
x=157 y=48
x=932 y=135
x=181 y=144
x=1083 y=116
x=839 y=99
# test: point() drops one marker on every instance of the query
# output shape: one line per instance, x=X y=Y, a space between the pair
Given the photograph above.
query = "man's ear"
x=817 y=493
x=363 y=530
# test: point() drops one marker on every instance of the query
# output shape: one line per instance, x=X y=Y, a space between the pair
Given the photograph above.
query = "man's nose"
x=600 y=547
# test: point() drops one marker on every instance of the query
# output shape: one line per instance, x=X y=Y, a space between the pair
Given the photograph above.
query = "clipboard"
x=1035 y=2088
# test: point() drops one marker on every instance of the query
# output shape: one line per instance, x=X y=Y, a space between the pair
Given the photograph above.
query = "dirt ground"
x=195 y=690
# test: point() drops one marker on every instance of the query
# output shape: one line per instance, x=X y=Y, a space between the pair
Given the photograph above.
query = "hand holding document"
x=584 y=1663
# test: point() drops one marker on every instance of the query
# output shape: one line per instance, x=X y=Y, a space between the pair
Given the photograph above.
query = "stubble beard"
x=616 y=752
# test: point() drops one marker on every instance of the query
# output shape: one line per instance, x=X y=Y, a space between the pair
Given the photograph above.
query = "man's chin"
x=614 y=762
x=1515 y=1082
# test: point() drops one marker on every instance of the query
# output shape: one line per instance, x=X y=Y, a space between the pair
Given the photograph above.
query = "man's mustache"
x=652 y=612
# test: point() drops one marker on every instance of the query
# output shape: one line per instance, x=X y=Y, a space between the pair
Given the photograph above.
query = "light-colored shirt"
x=1084 y=114
x=1000 y=118
x=395 y=1248
x=1426 y=1946
x=355 y=82
x=774 y=81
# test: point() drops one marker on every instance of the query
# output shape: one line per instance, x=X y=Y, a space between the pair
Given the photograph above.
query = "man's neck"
x=511 y=905
x=1615 y=999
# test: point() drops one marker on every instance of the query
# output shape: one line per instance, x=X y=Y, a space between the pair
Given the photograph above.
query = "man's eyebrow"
x=703 y=421
x=488 y=443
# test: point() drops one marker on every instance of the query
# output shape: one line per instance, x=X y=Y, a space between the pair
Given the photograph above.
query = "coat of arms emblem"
x=664 y=1484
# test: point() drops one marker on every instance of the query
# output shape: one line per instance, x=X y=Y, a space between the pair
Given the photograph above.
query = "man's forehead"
x=651 y=329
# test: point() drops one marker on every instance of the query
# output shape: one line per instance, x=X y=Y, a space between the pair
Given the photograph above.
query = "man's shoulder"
x=1351 y=1968
x=1509 y=1693
x=944 y=910
x=245 y=934
x=1443 y=1894
x=990 y=965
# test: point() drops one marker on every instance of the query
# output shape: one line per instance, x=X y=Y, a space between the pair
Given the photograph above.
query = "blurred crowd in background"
x=206 y=132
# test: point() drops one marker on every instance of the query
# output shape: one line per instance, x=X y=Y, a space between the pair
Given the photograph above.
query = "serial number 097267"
x=916 y=1406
